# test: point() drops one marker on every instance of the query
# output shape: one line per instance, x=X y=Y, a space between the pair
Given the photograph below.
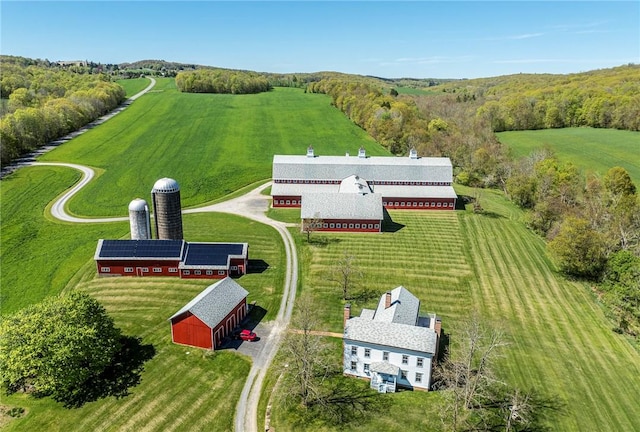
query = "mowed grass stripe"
x=549 y=317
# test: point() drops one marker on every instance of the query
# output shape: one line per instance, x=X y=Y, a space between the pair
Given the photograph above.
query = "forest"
x=221 y=81
x=42 y=101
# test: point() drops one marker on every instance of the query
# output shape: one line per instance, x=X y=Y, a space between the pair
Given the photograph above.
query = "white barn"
x=392 y=346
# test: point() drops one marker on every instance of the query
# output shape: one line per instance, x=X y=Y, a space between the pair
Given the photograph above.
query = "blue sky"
x=421 y=39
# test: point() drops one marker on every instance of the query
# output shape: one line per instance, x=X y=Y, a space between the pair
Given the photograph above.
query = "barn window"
x=338 y=225
x=173 y=270
x=397 y=204
x=186 y=272
x=377 y=226
x=402 y=204
x=325 y=225
x=234 y=267
x=370 y=226
x=197 y=272
x=157 y=270
x=128 y=269
x=439 y=204
x=433 y=204
x=351 y=226
x=144 y=269
x=450 y=204
x=384 y=203
x=221 y=272
x=105 y=269
x=288 y=201
x=357 y=226
x=421 y=204
x=209 y=272
x=332 y=225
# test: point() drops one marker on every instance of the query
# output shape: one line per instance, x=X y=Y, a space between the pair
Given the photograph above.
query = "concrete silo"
x=167 y=211
x=139 y=220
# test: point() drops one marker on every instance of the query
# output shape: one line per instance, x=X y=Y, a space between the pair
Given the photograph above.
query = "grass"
x=211 y=144
x=592 y=150
x=560 y=341
x=134 y=85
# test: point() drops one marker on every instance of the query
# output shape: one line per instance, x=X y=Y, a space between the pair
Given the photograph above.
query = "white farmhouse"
x=392 y=346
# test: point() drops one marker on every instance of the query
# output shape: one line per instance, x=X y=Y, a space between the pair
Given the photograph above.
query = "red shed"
x=212 y=315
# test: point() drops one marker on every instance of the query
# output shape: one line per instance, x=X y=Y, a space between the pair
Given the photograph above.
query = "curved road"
x=252 y=205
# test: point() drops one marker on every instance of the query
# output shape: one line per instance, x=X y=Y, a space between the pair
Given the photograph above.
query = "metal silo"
x=139 y=220
x=167 y=212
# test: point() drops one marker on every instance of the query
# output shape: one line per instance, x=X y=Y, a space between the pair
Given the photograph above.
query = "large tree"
x=578 y=249
x=57 y=347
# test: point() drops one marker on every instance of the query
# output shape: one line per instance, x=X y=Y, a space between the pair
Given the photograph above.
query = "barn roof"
x=140 y=249
x=387 y=191
x=215 y=302
x=212 y=255
x=389 y=168
x=341 y=206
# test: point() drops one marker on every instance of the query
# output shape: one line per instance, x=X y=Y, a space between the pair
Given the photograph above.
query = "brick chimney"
x=387 y=299
x=347 y=314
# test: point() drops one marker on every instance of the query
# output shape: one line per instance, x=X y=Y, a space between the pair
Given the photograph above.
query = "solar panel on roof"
x=141 y=249
x=211 y=254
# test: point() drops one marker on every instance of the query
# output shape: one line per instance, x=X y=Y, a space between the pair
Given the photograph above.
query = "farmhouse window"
x=366 y=368
x=405 y=359
x=105 y=269
x=128 y=269
x=354 y=350
x=353 y=365
x=419 y=361
x=418 y=377
x=367 y=352
x=385 y=355
x=403 y=374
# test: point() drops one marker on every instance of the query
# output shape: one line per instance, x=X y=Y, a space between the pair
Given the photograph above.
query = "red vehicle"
x=247 y=335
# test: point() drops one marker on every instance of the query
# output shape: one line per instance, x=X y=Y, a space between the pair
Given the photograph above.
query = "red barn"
x=171 y=258
x=211 y=316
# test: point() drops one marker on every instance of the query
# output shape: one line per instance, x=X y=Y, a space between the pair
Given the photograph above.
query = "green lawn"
x=560 y=341
x=592 y=150
x=212 y=144
x=134 y=85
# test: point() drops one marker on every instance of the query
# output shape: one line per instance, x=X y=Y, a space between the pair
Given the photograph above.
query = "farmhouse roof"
x=404 y=307
x=341 y=206
x=215 y=302
x=388 y=168
x=410 y=337
x=384 y=367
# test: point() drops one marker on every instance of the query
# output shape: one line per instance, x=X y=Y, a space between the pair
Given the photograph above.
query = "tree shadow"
x=117 y=378
x=257 y=266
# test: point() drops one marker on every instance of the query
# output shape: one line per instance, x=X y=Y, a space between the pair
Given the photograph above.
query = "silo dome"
x=138 y=204
x=165 y=185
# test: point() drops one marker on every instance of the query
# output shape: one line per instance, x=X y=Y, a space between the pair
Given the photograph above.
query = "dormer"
x=310 y=152
x=413 y=153
x=362 y=153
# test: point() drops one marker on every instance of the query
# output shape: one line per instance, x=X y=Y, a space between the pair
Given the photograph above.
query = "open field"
x=592 y=150
x=134 y=85
x=561 y=344
x=212 y=144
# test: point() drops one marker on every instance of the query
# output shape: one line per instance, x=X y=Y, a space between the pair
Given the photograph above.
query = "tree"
x=307 y=367
x=57 y=347
x=578 y=249
x=311 y=225
x=345 y=273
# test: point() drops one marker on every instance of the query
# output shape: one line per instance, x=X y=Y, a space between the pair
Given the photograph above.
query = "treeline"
x=221 y=81
x=602 y=99
x=43 y=103
x=592 y=227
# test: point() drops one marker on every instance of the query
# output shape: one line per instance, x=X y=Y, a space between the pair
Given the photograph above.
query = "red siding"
x=193 y=274
x=293 y=201
x=137 y=267
x=419 y=203
x=187 y=329
x=349 y=225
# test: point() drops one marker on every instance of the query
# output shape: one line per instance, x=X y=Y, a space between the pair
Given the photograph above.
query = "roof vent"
x=413 y=153
x=362 y=153
x=347 y=154
x=310 y=152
